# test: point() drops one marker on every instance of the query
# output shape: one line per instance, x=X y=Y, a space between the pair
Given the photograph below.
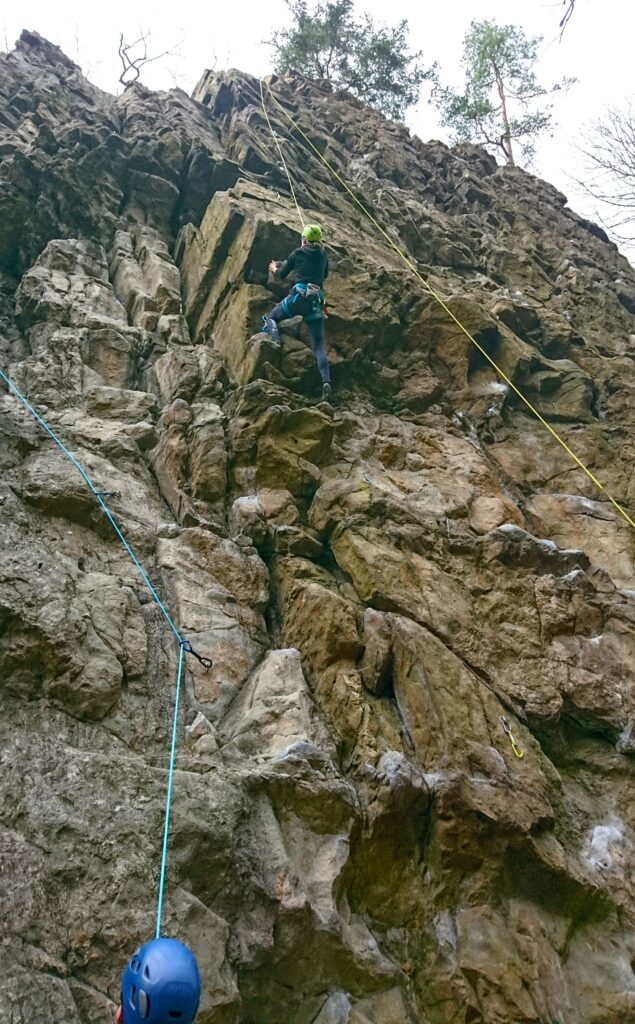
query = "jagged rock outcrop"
x=378 y=582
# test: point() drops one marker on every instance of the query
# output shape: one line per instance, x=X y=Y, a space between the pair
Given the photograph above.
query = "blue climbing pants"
x=316 y=330
x=308 y=306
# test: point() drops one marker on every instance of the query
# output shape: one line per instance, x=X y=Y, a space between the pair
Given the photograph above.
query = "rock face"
x=379 y=582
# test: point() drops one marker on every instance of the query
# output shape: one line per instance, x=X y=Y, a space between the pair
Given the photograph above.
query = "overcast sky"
x=597 y=49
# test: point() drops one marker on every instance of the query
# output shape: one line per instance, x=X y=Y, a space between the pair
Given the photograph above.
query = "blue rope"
x=168 y=798
x=184 y=645
x=96 y=494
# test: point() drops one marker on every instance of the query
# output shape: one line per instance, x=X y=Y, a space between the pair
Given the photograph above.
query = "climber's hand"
x=273 y=266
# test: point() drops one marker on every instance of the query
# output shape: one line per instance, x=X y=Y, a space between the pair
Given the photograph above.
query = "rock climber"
x=160 y=985
x=310 y=267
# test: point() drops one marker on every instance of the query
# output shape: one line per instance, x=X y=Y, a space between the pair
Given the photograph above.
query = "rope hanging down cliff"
x=428 y=287
x=185 y=646
x=284 y=162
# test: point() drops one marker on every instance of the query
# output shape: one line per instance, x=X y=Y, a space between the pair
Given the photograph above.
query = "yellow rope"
x=284 y=162
x=444 y=306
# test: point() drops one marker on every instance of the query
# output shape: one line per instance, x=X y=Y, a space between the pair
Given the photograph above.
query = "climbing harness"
x=305 y=300
x=508 y=730
x=185 y=647
x=428 y=287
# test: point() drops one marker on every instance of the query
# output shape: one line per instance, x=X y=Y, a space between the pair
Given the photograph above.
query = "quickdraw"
x=205 y=662
x=508 y=730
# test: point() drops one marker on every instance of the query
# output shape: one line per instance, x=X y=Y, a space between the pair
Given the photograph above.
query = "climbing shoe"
x=269 y=326
x=326 y=391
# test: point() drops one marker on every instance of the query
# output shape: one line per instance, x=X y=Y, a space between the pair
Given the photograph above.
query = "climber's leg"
x=316 y=330
x=279 y=313
x=286 y=309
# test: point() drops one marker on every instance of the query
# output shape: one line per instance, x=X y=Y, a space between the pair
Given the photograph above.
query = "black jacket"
x=309 y=264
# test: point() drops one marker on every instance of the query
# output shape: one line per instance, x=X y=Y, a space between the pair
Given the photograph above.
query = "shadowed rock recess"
x=378 y=580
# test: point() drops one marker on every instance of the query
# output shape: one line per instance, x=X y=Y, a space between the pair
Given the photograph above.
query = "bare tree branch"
x=132 y=66
x=570 y=5
x=609 y=155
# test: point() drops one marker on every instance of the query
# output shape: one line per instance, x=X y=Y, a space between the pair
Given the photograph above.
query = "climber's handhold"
x=160 y=983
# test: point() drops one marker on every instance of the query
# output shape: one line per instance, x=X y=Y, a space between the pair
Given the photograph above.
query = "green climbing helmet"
x=312 y=233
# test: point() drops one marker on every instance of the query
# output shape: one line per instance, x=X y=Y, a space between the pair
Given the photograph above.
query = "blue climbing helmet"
x=161 y=984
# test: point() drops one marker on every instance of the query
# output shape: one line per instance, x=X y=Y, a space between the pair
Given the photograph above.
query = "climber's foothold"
x=161 y=982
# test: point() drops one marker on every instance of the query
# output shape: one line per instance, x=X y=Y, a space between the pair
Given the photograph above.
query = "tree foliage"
x=326 y=40
x=497 y=107
x=609 y=153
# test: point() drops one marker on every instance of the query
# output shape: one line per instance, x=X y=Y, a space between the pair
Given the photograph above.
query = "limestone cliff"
x=378 y=581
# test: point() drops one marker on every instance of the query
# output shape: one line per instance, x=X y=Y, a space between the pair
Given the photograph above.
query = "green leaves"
x=496 y=107
x=371 y=61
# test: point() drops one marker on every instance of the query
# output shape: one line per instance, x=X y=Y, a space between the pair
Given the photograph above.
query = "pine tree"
x=371 y=61
x=497 y=107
